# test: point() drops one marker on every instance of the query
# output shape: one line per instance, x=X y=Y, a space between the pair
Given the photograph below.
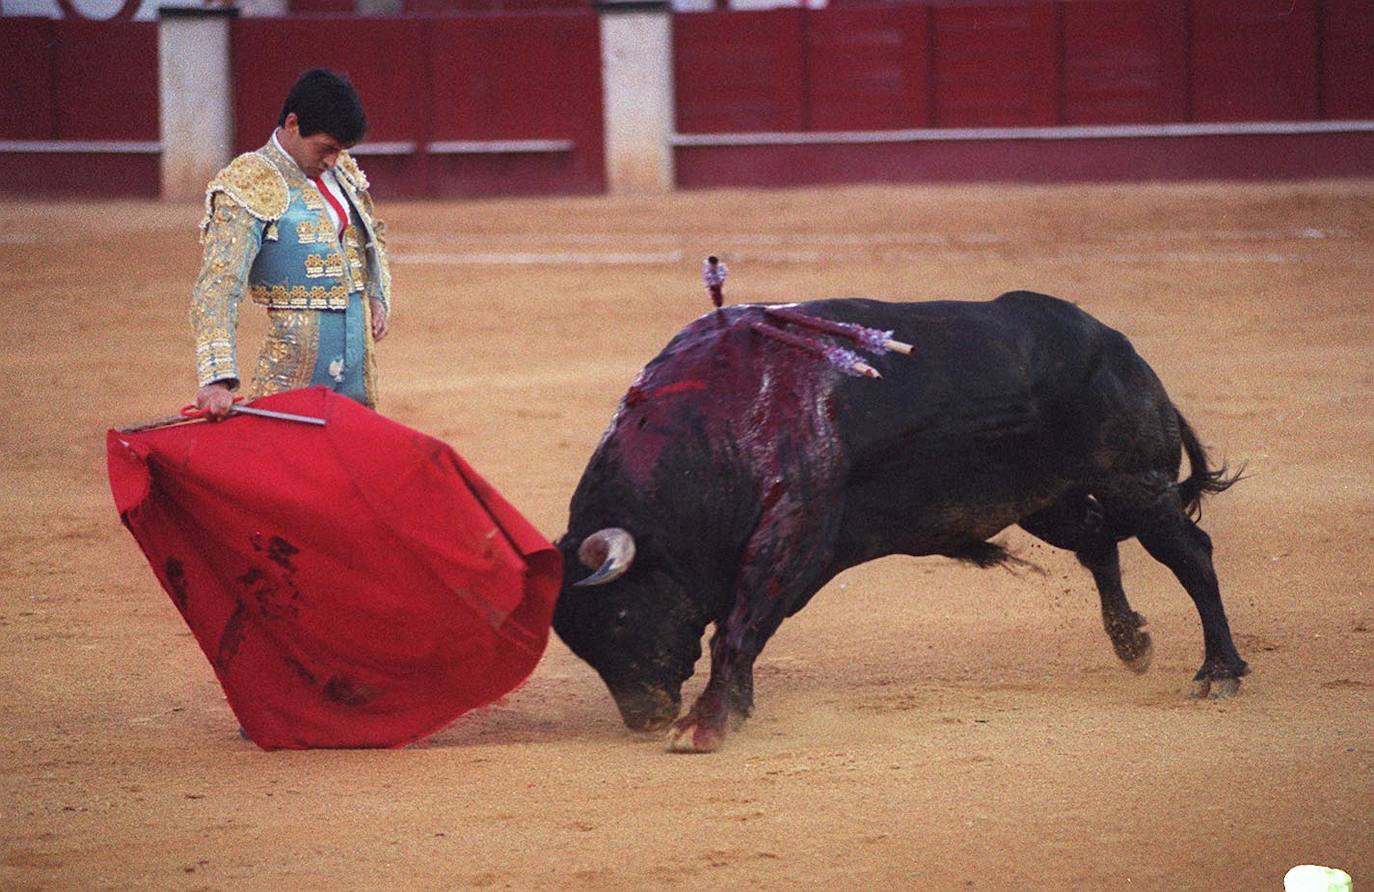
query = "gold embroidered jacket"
x=266 y=234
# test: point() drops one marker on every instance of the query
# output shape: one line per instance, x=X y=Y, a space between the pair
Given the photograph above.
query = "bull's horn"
x=609 y=552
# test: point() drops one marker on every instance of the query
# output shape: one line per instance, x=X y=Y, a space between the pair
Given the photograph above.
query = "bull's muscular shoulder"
x=253 y=182
x=350 y=169
x=1036 y=300
x=1049 y=313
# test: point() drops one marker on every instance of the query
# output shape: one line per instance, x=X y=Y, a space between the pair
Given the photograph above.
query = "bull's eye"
x=621 y=620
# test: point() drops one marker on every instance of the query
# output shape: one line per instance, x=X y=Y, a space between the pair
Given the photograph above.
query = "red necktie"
x=334 y=202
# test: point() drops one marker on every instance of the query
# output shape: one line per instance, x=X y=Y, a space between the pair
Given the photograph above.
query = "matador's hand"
x=215 y=399
x=380 y=324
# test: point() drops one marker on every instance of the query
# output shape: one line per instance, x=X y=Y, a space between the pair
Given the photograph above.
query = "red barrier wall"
x=790 y=70
x=78 y=80
x=738 y=71
x=859 y=70
x=995 y=65
x=1124 y=63
x=385 y=58
x=1255 y=60
x=1024 y=64
x=457 y=78
x=26 y=70
x=518 y=77
x=468 y=78
x=1347 y=73
x=106 y=78
x=1029 y=161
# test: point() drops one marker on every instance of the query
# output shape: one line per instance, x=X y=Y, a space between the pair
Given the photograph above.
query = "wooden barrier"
x=79 y=110
x=27 y=109
x=1026 y=90
x=459 y=105
x=1124 y=63
x=1347 y=44
x=1254 y=61
x=994 y=65
x=512 y=103
x=887 y=91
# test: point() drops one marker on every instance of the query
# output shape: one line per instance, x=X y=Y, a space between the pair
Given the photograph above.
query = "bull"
x=738 y=475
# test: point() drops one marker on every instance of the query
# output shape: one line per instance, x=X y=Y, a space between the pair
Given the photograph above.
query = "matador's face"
x=315 y=153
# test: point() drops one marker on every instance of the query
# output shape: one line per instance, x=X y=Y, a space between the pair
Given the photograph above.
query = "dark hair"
x=326 y=102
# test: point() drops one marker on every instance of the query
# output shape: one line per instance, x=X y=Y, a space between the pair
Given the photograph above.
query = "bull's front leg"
x=779 y=571
x=729 y=691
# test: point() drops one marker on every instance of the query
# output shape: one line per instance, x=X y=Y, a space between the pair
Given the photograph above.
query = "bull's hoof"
x=1132 y=644
x=690 y=736
x=1214 y=688
x=1137 y=655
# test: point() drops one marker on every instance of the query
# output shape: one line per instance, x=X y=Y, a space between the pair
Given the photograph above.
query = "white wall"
x=637 y=96
x=195 y=102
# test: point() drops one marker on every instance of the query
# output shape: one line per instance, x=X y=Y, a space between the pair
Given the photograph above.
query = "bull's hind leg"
x=1124 y=626
x=1172 y=538
x=1076 y=524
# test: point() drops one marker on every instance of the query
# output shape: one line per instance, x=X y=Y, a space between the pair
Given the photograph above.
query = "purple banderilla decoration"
x=846 y=361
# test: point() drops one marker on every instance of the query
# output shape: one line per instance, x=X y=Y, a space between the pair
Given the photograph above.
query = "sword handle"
x=190 y=410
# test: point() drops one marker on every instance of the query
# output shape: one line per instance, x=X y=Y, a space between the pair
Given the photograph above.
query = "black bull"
x=740 y=474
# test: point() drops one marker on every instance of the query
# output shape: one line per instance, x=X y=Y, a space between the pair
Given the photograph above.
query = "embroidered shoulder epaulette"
x=254 y=182
x=351 y=170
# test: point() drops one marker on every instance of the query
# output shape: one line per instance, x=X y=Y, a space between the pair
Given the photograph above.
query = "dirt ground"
x=921 y=724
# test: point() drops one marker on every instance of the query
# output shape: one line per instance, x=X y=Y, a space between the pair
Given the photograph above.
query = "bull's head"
x=632 y=621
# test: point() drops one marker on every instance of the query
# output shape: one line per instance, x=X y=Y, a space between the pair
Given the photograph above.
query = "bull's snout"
x=648 y=709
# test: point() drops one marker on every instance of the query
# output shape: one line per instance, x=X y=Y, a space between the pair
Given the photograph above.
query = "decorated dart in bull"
x=846 y=361
x=871 y=338
x=713 y=271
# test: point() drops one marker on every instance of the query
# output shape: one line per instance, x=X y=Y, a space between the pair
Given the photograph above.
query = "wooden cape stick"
x=190 y=414
x=154 y=424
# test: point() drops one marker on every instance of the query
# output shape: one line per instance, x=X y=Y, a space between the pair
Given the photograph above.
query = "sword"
x=191 y=413
x=268 y=413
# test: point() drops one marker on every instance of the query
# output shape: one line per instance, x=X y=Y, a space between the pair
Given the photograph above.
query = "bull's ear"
x=609 y=552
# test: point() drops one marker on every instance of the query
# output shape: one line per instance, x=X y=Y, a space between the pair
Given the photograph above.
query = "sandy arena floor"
x=920 y=725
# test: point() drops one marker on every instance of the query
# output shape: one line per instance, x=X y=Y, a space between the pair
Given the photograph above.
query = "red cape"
x=352 y=585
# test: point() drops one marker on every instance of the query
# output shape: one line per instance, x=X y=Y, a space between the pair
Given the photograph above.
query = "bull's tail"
x=1202 y=480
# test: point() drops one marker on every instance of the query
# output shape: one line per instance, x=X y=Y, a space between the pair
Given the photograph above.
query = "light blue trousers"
x=339 y=363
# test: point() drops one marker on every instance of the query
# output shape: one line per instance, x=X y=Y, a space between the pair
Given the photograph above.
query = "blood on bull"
x=759 y=454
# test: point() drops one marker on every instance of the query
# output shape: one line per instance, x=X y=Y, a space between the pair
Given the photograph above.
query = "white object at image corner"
x=1315 y=878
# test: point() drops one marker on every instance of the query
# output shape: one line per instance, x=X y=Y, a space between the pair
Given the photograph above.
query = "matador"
x=292 y=226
